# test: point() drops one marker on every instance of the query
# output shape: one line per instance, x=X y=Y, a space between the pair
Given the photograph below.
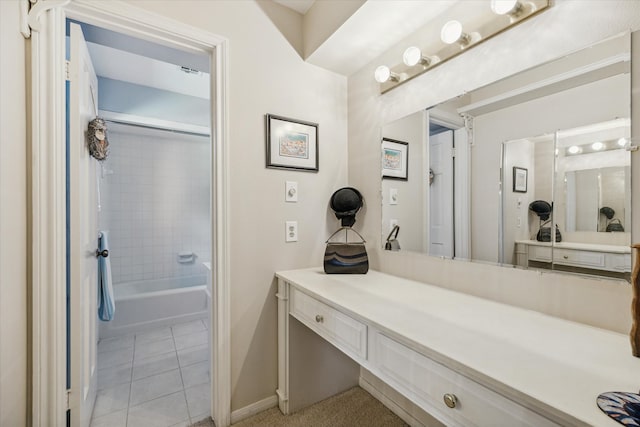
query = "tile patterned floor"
x=158 y=378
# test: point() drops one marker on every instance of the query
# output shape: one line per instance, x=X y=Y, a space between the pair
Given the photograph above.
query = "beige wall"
x=565 y=27
x=13 y=232
x=268 y=76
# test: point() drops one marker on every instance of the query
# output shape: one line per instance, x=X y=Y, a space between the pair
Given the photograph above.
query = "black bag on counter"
x=392 y=243
x=346 y=257
x=544 y=234
x=615 y=225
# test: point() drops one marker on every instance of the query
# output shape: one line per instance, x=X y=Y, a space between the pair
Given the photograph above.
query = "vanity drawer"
x=579 y=258
x=346 y=333
x=619 y=262
x=540 y=253
x=452 y=398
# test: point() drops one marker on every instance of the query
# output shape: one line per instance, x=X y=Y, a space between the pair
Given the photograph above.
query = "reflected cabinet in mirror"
x=532 y=171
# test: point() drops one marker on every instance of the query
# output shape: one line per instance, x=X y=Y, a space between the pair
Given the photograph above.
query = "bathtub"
x=150 y=304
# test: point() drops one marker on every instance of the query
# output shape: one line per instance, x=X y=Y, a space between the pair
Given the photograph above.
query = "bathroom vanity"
x=464 y=360
x=611 y=258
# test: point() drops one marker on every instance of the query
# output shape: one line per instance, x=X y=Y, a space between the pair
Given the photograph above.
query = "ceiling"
x=373 y=29
x=363 y=33
x=148 y=64
x=300 y=6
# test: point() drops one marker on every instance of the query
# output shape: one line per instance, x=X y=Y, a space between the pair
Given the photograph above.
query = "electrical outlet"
x=291 y=231
x=291 y=191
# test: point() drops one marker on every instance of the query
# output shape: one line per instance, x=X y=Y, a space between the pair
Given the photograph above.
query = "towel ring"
x=102 y=253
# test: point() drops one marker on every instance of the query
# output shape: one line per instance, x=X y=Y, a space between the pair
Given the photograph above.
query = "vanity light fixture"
x=384 y=74
x=459 y=36
x=597 y=146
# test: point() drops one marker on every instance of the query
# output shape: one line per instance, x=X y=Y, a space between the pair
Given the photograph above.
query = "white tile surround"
x=154 y=190
x=149 y=379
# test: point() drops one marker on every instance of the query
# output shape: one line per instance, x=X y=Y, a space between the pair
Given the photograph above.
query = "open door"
x=83 y=232
x=441 y=195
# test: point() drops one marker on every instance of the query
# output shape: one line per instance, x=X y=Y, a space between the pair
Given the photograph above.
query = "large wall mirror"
x=532 y=171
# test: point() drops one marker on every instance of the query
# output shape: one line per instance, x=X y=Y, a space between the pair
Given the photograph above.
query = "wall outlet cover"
x=291 y=231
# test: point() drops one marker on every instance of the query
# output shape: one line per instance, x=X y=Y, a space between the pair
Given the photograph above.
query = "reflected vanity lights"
x=597 y=146
x=457 y=37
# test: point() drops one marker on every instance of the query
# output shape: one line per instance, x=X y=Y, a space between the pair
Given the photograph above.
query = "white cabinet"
x=581 y=255
x=452 y=398
x=465 y=360
x=339 y=329
x=447 y=395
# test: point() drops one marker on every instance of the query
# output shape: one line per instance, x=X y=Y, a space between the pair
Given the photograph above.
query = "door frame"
x=44 y=25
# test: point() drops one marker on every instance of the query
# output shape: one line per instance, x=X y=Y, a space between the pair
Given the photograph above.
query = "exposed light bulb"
x=597 y=146
x=622 y=142
x=574 y=149
x=411 y=56
x=505 y=7
x=382 y=74
x=452 y=32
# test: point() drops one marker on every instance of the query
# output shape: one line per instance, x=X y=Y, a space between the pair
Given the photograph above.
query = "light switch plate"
x=291 y=231
x=291 y=191
x=393 y=196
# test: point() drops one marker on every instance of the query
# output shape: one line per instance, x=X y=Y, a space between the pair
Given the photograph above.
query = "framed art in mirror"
x=519 y=180
x=291 y=144
x=395 y=159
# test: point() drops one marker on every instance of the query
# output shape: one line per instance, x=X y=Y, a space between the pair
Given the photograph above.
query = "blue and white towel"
x=106 y=303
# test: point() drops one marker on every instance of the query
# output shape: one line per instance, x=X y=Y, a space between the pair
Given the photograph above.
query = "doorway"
x=49 y=215
x=447 y=192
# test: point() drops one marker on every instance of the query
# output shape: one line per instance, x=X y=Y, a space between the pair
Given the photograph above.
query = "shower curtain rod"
x=146 y=123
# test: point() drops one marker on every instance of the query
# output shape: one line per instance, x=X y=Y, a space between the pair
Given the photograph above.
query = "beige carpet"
x=353 y=408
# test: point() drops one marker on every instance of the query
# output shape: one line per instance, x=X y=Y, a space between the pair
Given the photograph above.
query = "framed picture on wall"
x=395 y=159
x=519 y=180
x=291 y=144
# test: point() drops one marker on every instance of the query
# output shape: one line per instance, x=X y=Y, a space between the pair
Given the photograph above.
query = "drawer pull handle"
x=450 y=400
x=566 y=257
x=319 y=318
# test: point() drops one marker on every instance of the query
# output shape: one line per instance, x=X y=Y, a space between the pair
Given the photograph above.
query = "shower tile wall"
x=155 y=203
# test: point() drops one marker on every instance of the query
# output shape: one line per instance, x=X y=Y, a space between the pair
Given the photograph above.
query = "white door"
x=83 y=232
x=441 y=195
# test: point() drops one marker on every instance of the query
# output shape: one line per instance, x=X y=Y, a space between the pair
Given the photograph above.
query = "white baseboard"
x=389 y=403
x=254 y=408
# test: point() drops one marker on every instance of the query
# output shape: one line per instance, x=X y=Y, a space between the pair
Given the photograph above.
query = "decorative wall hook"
x=97 y=141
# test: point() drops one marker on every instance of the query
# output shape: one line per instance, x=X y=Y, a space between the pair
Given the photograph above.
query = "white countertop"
x=551 y=365
x=616 y=249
